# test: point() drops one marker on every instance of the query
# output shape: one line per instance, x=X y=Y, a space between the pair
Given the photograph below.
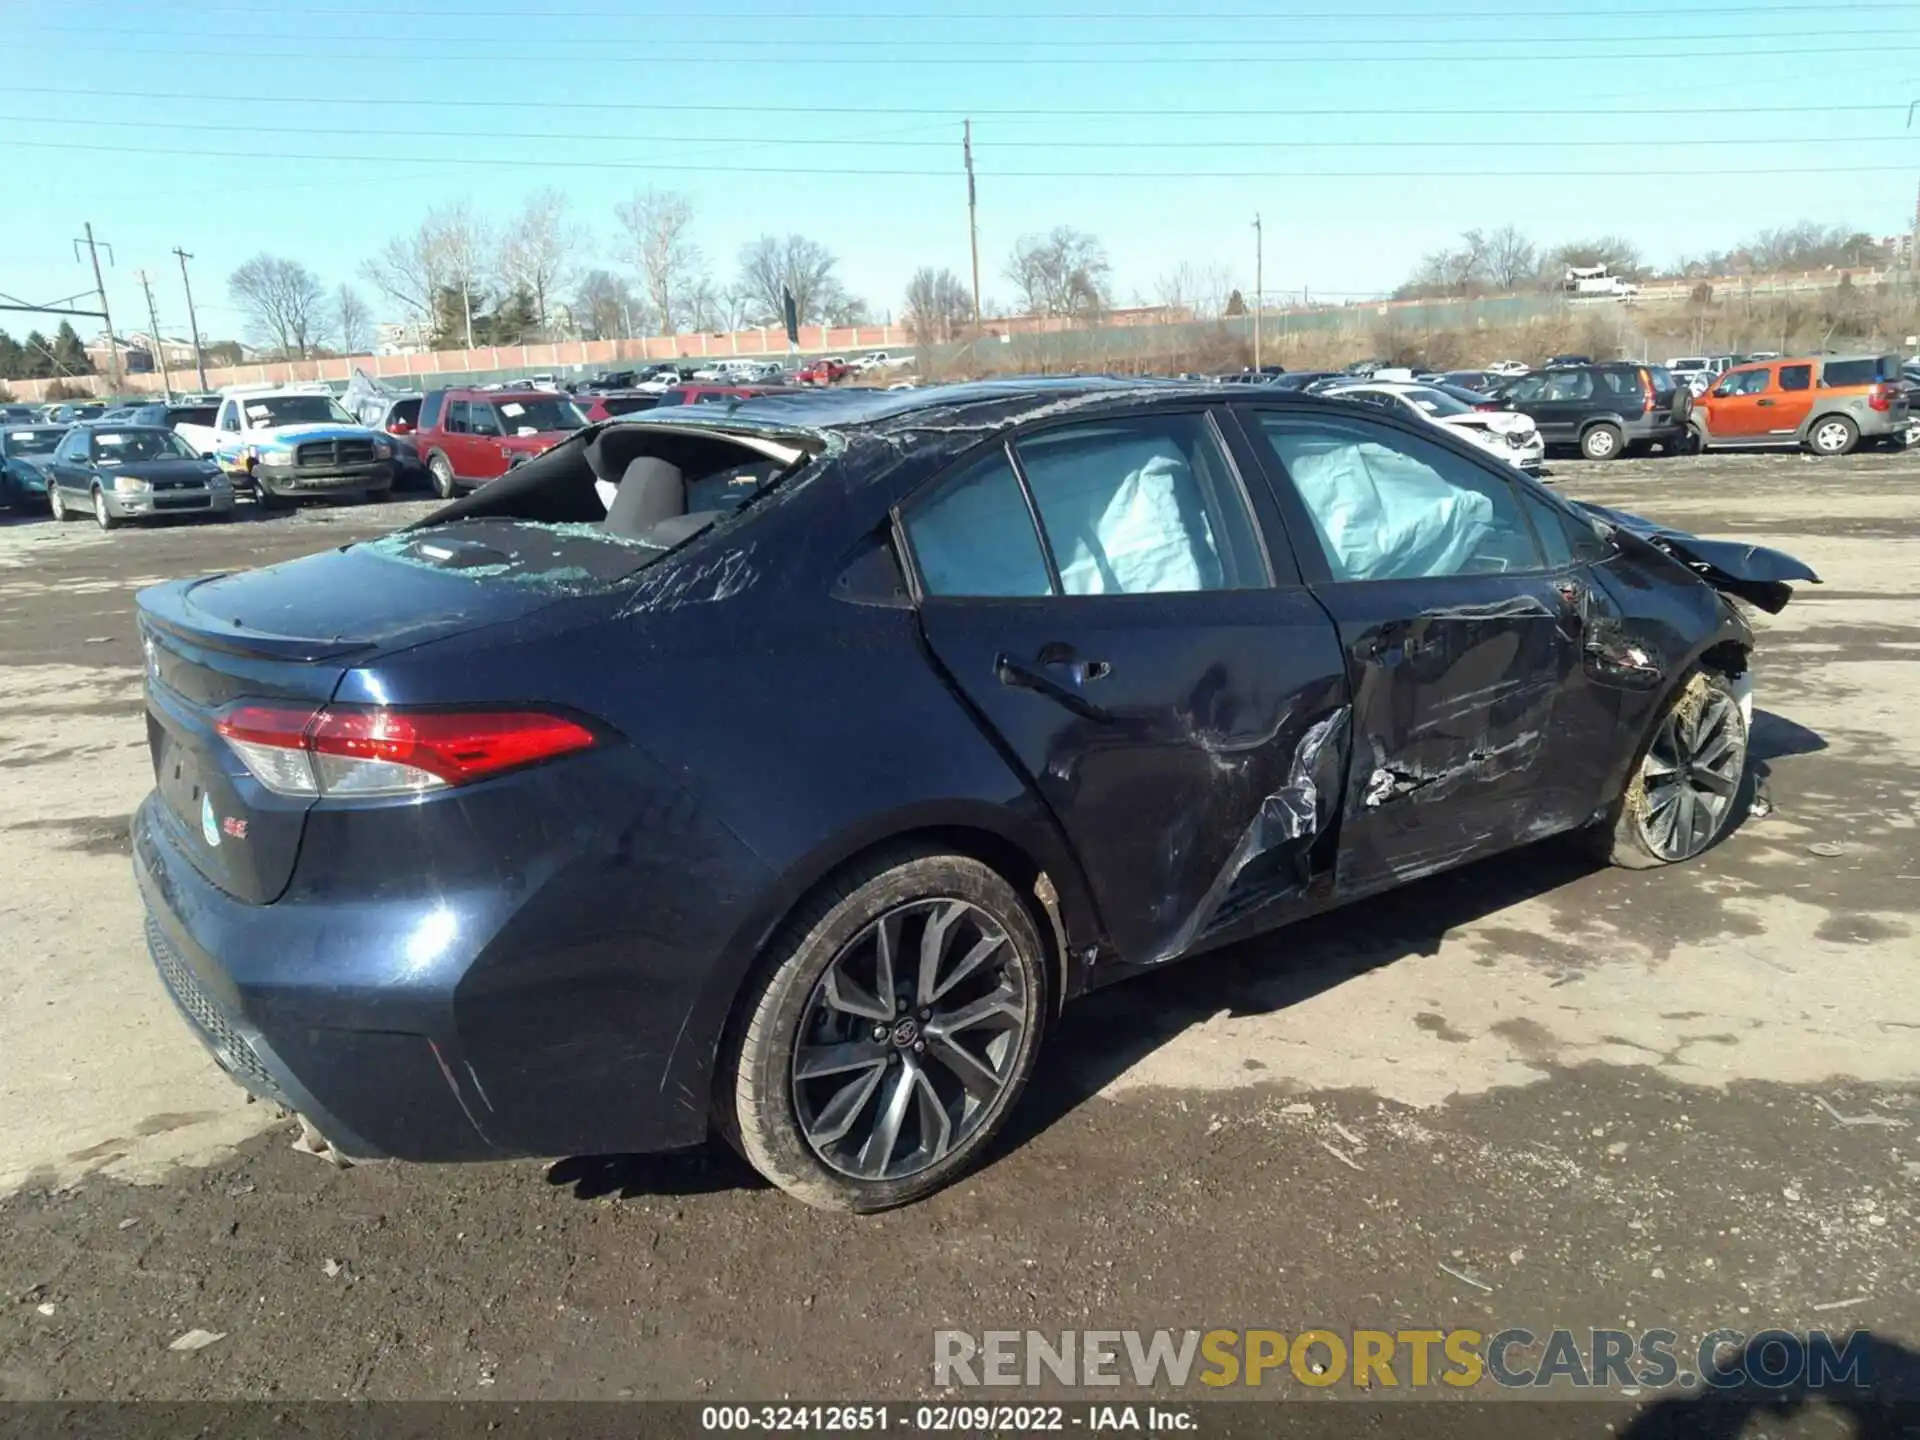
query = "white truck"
x=287 y=441
x=880 y=360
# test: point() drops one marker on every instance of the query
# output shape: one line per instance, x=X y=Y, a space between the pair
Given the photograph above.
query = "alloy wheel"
x=909 y=1040
x=1691 y=774
x=100 y=515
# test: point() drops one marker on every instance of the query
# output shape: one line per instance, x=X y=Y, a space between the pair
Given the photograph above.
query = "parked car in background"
x=823 y=371
x=75 y=414
x=468 y=437
x=1473 y=399
x=606 y=404
x=129 y=472
x=602 y=866
x=1481 y=381
x=1508 y=369
x=398 y=418
x=1603 y=410
x=1568 y=360
x=164 y=413
x=293 y=442
x=1827 y=404
x=19 y=415
x=25 y=452
x=1503 y=434
x=880 y=360
x=1306 y=379
x=695 y=393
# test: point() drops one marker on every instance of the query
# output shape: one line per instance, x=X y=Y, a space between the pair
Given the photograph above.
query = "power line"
x=957 y=112
x=1001 y=17
x=1244 y=50
x=1238 y=142
x=562 y=162
x=1238 y=56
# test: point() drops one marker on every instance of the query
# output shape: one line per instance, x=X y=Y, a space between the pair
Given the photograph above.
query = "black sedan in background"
x=779 y=768
x=118 y=473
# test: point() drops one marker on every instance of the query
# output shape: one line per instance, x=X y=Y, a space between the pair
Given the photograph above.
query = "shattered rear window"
x=576 y=558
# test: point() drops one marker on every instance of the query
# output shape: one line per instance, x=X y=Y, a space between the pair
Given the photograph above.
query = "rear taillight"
x=1653 y=396
x=1881 y=397
x=1493 y=405
x=357 y=750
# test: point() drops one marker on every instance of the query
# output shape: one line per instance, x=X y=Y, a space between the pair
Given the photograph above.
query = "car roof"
x=511 y=396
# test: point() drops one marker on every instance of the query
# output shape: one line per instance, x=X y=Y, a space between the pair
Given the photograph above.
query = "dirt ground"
x=1526 y=1093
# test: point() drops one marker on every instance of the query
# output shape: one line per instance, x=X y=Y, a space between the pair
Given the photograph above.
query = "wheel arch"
x=1036 y=863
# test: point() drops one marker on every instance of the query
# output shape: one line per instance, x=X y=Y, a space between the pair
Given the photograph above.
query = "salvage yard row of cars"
x=283 y=444
x=1082 y=676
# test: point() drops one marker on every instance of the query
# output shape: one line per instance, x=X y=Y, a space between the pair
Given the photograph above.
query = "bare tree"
x=445 y=252
x=773 y=266
x=409 y=271
x=1511 y=260
x=657 y=225
x=938 y=305
x=283 y=301
x=539 y=249
x=352 y=321
x=607 y=309
x=1617 y=252
x=1063 y=272
x=463 y=240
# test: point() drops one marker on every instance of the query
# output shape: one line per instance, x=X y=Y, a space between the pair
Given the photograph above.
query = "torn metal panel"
x=1757 y=574
x=1281 y=833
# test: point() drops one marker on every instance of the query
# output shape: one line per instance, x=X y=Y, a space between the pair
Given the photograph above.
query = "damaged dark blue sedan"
x=781 y=771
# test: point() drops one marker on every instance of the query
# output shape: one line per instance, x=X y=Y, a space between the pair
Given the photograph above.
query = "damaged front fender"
x=1754 y=573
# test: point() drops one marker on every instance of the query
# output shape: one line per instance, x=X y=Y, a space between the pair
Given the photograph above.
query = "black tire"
x=1632 y=835
x=1694 y=442
x=1602 y=442
x=440 y=470
x=758 y=1095
x=101 y=515
x=1832 y=435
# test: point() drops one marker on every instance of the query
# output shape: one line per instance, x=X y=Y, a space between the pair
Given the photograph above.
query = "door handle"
x=1017 y=676
x=1765 y=404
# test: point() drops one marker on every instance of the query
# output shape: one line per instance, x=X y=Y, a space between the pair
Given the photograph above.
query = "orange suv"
x=1827 y=403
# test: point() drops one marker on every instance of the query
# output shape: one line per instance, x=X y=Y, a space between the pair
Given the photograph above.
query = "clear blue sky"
x=235 y=126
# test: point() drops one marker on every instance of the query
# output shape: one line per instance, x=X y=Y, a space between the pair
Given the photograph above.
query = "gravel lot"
x=1596 y=1098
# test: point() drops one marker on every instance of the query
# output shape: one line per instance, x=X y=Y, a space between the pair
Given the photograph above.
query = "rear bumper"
x=423 y=1004
x=1657 y=428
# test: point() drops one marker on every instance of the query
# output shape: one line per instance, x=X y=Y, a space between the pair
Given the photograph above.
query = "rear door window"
x=1144 y=506
x=973 y=534
x=1568 y=385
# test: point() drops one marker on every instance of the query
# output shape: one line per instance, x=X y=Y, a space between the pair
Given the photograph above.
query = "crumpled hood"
x=313 y=430
x=1498 y=422
x=1755 y=573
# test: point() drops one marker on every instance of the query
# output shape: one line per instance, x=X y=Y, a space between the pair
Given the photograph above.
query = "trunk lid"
x=291 y=632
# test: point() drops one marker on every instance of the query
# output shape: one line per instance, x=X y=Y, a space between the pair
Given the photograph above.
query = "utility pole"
x=1259 y=278
x=973 y=222
x=193 y=321
x=159 y=345
x=100 y=289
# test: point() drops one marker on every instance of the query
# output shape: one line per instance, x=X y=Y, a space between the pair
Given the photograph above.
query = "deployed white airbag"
x=1124 y=520
x=1383 y=515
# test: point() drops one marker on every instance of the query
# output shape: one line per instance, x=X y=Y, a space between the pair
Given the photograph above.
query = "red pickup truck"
x=824 y=371
x=468 y=437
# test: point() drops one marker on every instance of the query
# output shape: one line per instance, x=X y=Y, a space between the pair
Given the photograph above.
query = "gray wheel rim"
x=1691 y=775
x=53 y=500
x=100 y=508
x=442 y=478
x=1600 y=443
x=910 y=1039
x=1830 y=436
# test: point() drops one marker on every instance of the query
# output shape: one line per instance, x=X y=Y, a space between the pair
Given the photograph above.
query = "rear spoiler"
x=1754 y=573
